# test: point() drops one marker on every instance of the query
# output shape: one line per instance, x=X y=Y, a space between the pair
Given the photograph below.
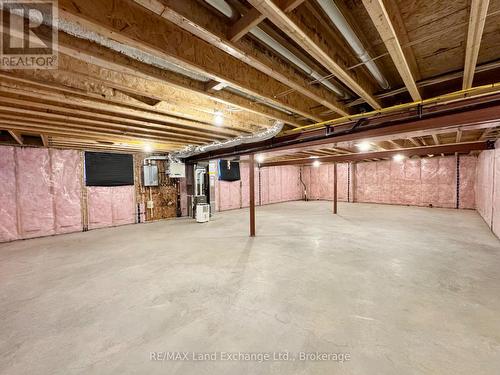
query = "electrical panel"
x=176 y=170
x=150 y=175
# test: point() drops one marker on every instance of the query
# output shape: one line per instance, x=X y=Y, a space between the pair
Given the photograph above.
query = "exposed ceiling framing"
x=168 y=73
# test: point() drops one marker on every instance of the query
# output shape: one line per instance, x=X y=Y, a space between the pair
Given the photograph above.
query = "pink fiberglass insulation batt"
x=8 y=204
x=34 y=195
x=41 y=192
x=418 y=182
x=319 y=181
x=245 y=185
x=484 y=185
x=110 y=206
x=67 y=187
x=495 y=211
x=272 y=185
x=467 y=182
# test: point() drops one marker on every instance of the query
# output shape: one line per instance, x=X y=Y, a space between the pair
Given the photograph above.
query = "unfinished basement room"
x=299 y=187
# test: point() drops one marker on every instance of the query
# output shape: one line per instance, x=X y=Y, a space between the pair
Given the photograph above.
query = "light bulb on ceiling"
x=148 y=148
x=364 y=146
x=260 y=158
x=316 y=163
x=218 y=118
x=398 y=157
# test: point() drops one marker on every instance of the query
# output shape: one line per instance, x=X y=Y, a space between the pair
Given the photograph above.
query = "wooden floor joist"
x=319 y=52
x=477 y=20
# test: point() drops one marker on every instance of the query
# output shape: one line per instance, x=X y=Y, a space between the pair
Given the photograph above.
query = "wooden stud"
x=17 y=137
x=45 y=140
x=435 y=138
x=335 y=188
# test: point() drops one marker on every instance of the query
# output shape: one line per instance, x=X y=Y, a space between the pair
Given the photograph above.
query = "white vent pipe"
x=225 y=9
x=338 y=19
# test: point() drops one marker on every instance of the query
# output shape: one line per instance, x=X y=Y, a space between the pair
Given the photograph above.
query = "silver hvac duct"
x=338 y=19
x=233 y=142
x=225 y=9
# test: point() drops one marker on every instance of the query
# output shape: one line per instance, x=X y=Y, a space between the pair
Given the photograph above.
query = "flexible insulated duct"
x=256 y=137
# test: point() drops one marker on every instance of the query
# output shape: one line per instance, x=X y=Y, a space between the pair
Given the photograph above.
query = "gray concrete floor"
x=402 y=290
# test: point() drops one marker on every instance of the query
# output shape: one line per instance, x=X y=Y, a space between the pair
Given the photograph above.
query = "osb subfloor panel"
x=403 y=290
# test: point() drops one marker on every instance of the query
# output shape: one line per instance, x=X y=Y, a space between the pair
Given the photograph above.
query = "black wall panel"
x=103 y=169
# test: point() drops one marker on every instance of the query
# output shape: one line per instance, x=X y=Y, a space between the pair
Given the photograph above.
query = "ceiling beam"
x=378 y=13
x=213 y=30
x=51 y=82
x=8 y=104
x=116 y=70
x=315 y=46
x=164 y=40
x=400 y=29
x=42 y=125
x=17 y=137
x=149 y=120
x=479 y=113
x=241 y=27
x=431 y=81
x=70 y=131
x=415 y=143
x=253 y=17
x=407 y=152
x=477 y=18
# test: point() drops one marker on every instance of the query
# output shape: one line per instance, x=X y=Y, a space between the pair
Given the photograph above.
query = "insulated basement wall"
x=40 y=192
x=41 y=195
x=488 y=188
x=110 y=206
x=416 y=182
x=319 y=181
x=272 y=185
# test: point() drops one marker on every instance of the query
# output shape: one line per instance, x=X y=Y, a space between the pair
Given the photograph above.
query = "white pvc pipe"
x=338 y=19
x=265 y=38
x=224 y=8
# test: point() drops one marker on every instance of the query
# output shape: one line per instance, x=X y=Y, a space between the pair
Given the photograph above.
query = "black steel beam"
x=473 y=111
x=407 y=152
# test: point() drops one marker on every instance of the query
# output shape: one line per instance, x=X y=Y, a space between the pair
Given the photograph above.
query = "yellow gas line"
x=462 y=94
